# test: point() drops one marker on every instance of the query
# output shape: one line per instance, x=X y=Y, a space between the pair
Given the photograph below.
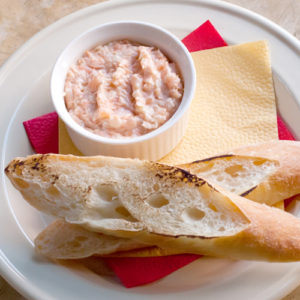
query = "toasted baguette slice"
x=92 y=190
x=62 y=240
x=285 y=182
x=155 y=204
x=238 y=174
x=245 y=172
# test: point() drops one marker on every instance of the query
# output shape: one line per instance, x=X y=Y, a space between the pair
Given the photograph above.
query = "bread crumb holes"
x=193 y=214
x=106 y=192
x=157 y=201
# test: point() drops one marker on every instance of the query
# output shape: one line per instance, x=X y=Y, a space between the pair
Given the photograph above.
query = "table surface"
x=21 y=19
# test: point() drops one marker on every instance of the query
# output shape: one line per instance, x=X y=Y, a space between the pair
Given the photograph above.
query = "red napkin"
x=203 y=38
x=42 y=133
x=134 y=271
x=283 y=132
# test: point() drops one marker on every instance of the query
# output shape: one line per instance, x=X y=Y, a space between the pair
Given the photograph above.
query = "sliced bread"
x=62 y=240
x=266 y=173
x=155 y=204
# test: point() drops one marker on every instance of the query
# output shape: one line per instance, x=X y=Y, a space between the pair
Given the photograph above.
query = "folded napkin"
x=283 y=132
x=42 y=133
x=134 y=271
x=203 y=38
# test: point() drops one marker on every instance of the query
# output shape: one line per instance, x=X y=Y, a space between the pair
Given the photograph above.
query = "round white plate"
x=24 y=94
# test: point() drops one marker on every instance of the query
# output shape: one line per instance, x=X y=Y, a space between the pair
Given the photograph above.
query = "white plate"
x=24 y=93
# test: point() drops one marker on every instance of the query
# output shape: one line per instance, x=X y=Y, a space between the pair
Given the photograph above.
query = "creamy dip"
x=122 y=89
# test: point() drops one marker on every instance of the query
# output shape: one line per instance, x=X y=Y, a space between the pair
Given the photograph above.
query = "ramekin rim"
x=182 y=108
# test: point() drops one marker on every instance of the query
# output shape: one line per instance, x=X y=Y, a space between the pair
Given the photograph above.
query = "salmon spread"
x=122 y=89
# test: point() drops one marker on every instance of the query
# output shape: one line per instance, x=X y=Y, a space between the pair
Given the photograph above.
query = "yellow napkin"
x=234 y=104
x=145 y=252
x=65 y=144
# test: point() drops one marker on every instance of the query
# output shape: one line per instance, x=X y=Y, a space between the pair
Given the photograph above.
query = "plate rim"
x=7 y=270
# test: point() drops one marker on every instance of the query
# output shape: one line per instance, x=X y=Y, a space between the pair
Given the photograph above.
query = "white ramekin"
x=153 y=145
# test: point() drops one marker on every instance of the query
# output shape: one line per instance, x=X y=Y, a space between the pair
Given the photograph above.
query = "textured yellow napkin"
x=234 y=104
x=145 y=252
x=65 y=144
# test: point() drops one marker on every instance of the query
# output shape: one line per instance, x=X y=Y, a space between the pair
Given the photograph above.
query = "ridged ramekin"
x=153 y=145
